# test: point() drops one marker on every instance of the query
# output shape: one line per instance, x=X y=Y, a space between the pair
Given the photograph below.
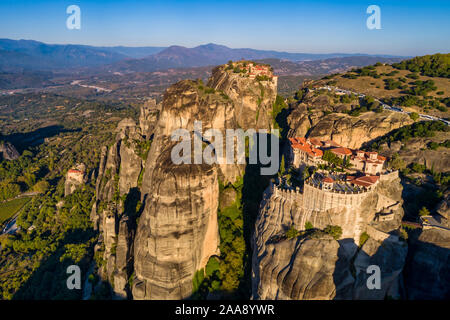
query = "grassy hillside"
x=418 y=85
x=9 y=208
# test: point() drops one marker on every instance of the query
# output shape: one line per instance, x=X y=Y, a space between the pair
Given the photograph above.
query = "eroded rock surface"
x=316 y=116
x=326 y=268
x=427 y=273
x=175 y=231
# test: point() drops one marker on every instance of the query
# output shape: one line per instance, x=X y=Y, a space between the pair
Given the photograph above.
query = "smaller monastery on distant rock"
x=75 y=177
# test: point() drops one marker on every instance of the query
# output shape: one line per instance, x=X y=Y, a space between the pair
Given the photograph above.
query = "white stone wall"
x=315 y=199
x=389 y=176
x=288 y=194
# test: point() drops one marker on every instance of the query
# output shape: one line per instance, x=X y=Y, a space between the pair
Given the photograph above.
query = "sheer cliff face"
x=427 y=272
x=253 y=100
x=301 y=269
x=178 y=229
x=120 y=167
x=326 y=268
x=317 y=117
x=118 y=174
x=177 y=232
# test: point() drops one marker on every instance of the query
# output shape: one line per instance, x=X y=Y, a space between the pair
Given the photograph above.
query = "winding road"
x=386 y=106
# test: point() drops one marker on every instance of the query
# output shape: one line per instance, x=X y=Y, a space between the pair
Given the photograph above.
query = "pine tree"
x=282 y=168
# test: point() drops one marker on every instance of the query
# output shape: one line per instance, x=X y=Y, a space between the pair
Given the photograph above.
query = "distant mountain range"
x=29 y=55
x=326 y=66
x=213 y=54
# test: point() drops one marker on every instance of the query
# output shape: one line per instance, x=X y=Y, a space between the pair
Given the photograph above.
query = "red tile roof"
x=75 y=171
x=328 y=180
x=317 y=152
x=302 y=144
x=342 y=150
x=365 y=181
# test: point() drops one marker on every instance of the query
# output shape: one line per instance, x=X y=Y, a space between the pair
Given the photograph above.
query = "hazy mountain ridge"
x=33 y=55
x=20 y=55
x=213 y=54
x=326 y=66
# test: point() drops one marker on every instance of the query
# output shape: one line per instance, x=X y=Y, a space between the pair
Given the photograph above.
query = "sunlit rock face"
x=318 y=266
x=315 y=117
x=177 y=232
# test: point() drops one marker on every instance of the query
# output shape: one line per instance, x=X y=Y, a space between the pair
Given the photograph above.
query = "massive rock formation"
x=427 y=272
x=8 y=151
x=300 y=269
x=416 y=150
x=325 y=268
x=178 y=230
x=152 y=252
x=117 y=197
x=252 y=99
x=158 y=220
x=317 y=116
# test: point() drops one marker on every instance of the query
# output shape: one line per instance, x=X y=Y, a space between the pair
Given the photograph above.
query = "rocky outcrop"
x=427 y=272
x=117 y=199
x=336 y=269
x=149 y=117
x=8 y=151
x=174 y=232
x=178 y=230
x=416 y=150
x=389 y=255
x=252 y=99
x=301 y=269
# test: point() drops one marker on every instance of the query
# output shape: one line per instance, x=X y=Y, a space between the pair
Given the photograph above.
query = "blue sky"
x=409 y=27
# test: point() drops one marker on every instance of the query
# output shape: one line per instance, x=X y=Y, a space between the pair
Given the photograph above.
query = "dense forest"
x=54 y=231
x=437 y=65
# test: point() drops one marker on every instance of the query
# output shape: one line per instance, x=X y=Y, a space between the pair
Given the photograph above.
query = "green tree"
x=282 y=166
x=417 y=167
x=308 y=225
x=335 y=231
x=424 y=212
x=363 y=238
x=212 y=266
x=41 y=187
x=9 y=190
x=396 y=162
x=332 y=158
x=198 y=279
x=291 y=233
x=414 y=116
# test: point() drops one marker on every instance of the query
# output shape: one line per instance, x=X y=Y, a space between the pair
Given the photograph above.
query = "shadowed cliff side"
x=312 y=265
x=178 y=230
